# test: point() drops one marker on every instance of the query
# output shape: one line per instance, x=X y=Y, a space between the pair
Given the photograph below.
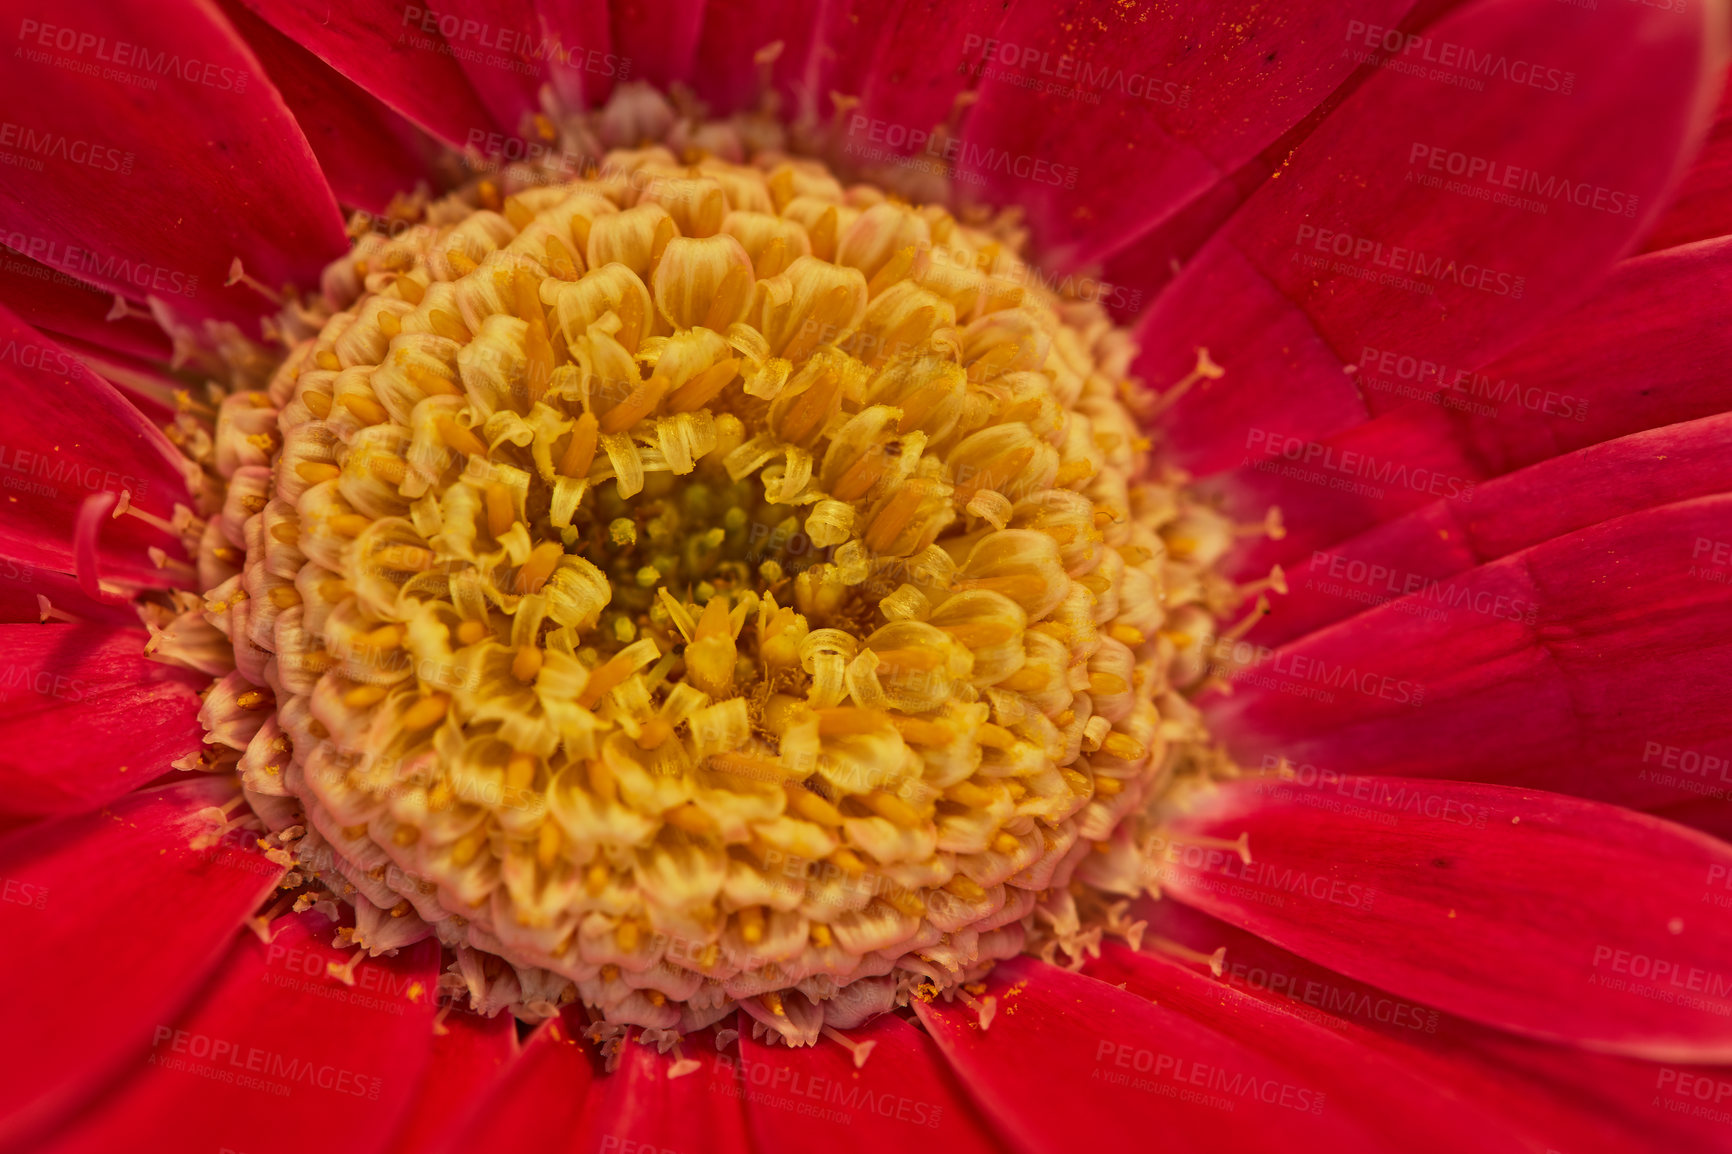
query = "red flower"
x=1465 y=889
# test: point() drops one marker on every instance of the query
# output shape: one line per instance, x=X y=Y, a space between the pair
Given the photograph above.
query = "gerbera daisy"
x=753 y=577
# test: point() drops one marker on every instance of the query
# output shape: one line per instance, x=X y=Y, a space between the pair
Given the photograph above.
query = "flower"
x=1314 y=745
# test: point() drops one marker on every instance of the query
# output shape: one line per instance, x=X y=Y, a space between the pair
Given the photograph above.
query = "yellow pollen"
x=526 y=663
x=427 y=712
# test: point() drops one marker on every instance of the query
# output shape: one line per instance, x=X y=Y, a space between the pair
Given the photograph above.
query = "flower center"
x=704 y=584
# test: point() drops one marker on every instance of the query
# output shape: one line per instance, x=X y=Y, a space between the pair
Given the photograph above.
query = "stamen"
x=1206 y=370
x=238 y=275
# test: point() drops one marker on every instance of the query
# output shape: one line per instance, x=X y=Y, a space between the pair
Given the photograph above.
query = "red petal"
x=1596 y=663
x=1613 y=99
x=639 y=1107
x=368 y=153
x=82 y=928
x=1071 y=1063
x=1577 y=1100
x=1646 y=351
x=146 y=385
x=279 y=1055
x=201 y=161
x=469 y=1053
x=1702 y=206
x=1404 y=1103
x=1102 y=120
x=60 y=305
x=500 y=46
x=1537 y=913
x=537 y=1104
x=1421 y=551
x=727 y=74
x=70 y=435
x=907 y=63
x=393 y=51
x=903 y=1098
x=85 y=717
x=658 y=37
x=23 y=587
x=583 y=61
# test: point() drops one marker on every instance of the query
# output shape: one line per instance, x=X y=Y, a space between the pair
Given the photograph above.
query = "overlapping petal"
x=1364 y=242
x=191 y=159
x=1544 y=915
x=292 y=1030
x=82 y=929
x=1593 y=664
x=86 y=717
x=71 y=437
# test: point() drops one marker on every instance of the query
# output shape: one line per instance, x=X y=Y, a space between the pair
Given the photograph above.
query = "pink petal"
x=1540 y=914
x=1103 y=120
x=583 y=62
x=396 y=53
x=1702 y=205
x=60 y=305
x=1643 y=352
x=1404 y=1102
x=367 y=152
x=1575 y=1099
x=816 y=1098
x=537 y=1104
x=907 y=64
x=23 y=586
x=727 y=75
x=280 y=1055
x=1596 y=664
x=111 y=921
x=469 y=1052
x=147 y=385
x=1635 y=78
x=85 y=717
x=1421 y=551
x=71 y=436
x=207 y=162
x=1073 y=1063
x=644 y=1106
x=501 y=47
x=658 y=37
